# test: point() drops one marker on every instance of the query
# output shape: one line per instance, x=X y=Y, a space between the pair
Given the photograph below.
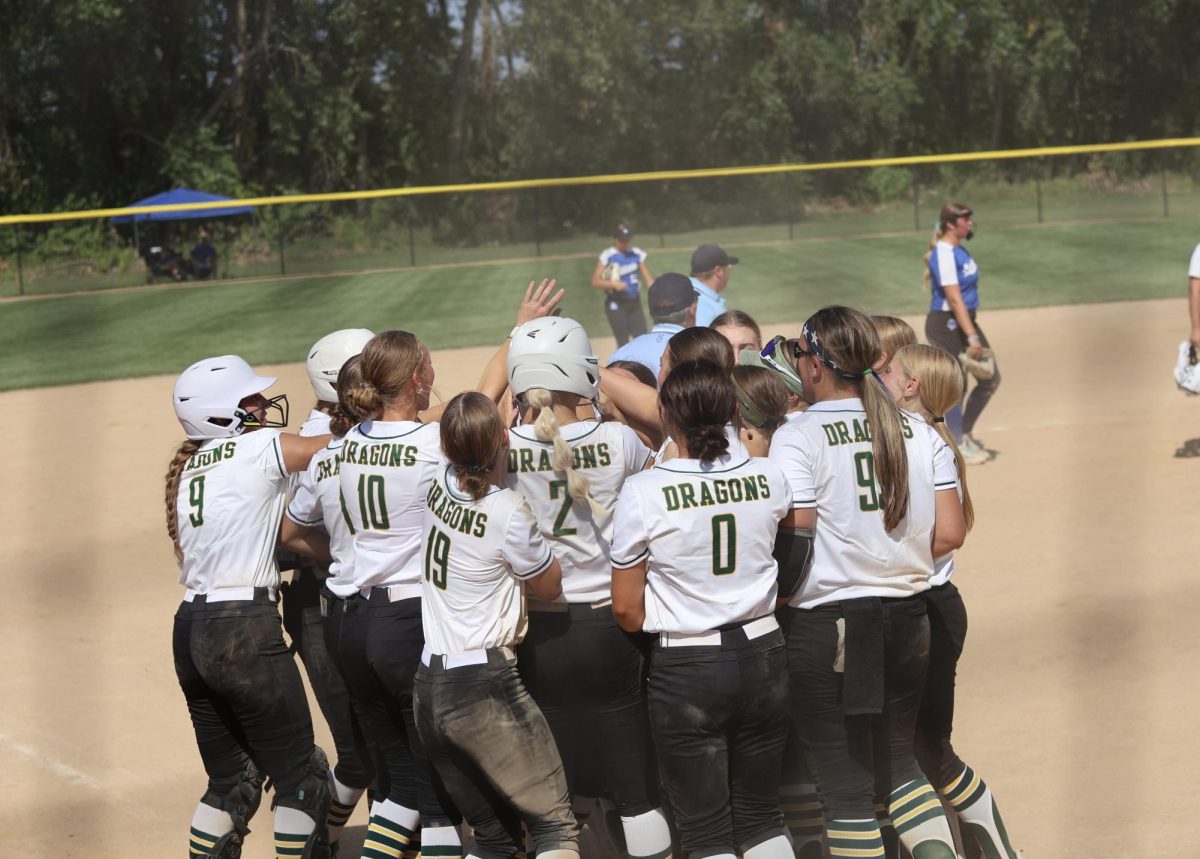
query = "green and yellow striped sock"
x=209 y=825
x=201 y=843
x=891 y=841
x=345 y=798
x=293 y=828
x=917 y=814
x=978 y=814
x=803 y=815
x=413 y=850
x=854 y=839
x=389 y=831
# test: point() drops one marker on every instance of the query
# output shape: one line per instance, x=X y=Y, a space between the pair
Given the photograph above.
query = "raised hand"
x=540 y=300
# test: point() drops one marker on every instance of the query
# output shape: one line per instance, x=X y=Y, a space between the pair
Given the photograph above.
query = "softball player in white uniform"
x=387 y=466
x=302 y=611
x=583 y=671
x=484 y=733
x=928 y=380
x=878 y=487
x=225 y=493
x=692 y=562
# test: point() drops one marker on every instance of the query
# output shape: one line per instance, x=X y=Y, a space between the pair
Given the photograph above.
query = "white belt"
x=712 y=638
x=466 y=657
x=228 y=594
x=538 y=605
x=396 y=593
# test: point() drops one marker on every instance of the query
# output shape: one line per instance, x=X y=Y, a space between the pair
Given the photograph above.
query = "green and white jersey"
x=476 y=556
x=607 y=453
x=706 y=531
x=316 y=502
x=827 y=456
x=386 y=470
x=230 y=499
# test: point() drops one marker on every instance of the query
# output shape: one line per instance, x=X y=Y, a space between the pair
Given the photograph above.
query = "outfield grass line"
x=288 y=278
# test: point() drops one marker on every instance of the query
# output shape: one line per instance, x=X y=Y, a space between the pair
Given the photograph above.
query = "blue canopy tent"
x=179 y=196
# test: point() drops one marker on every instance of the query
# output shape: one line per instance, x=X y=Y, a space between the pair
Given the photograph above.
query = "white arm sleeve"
x=525 y=549
x=947 y=269
x=631 y=543
x=789 y=452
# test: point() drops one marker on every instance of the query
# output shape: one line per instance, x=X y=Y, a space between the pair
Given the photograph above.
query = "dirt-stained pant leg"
x=720 y=718
x=492 y=748
x=244 y=692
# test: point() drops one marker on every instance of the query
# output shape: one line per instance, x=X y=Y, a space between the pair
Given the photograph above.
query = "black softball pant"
x=379 y=651
x=719 y=715
x=625 y=317
x=493 y=750
x=244 y=694
x=305 y=626
x=935 y=722
x=942 y=330
x=848 y=752
x=585 y=673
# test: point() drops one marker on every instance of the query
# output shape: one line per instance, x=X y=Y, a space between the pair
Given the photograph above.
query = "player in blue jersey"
x=621 y=271
x=954 y=284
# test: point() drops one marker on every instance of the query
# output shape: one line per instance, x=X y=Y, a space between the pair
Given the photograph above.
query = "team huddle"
x=704 y=607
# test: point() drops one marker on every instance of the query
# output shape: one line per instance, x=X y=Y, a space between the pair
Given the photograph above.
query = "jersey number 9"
x=864 y=472
x=196 y=500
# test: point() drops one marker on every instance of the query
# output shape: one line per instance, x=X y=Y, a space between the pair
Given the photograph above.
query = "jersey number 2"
x=437 y=557
x=196 y=499
x=557 y=488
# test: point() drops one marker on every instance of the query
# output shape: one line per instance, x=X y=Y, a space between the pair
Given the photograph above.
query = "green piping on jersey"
x=366 y=434
x=536 y=440
x=278 y=448
x=704 y=473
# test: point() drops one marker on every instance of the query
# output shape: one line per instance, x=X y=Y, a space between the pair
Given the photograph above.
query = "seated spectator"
x=204 y=257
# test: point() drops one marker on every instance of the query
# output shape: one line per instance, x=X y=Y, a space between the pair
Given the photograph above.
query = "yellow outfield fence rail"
x=570 y=217
x=615 y=178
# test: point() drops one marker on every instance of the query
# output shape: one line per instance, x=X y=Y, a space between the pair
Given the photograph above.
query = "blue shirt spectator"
x=711 y=268
x=648 y=349
x=951 y=265
x=673 y=307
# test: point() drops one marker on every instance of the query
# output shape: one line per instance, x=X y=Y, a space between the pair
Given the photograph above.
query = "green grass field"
x=111 y=335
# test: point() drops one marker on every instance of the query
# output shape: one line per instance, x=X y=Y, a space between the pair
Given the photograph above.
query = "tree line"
x=106 y=101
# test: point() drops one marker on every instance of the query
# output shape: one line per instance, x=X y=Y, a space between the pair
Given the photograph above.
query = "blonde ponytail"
x=174 y=470
x=546 y=429
x=939 y=388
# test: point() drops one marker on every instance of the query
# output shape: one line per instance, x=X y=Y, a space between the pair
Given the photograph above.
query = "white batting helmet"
x=1187 y=369
x=553 y=353
x=327 y=355
x=207 y=395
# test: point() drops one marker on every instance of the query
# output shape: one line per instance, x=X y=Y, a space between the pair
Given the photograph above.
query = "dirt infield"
x=1077 y=691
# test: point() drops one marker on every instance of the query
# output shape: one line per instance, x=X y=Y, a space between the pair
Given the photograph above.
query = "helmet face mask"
x=275 y=405
x=553 y=353
x=328 y=355
x=208 y=398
